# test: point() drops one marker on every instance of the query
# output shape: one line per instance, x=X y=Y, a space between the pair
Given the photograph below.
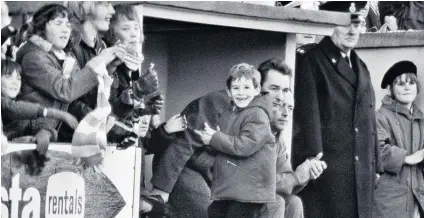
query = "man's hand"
x=415 y=158
x=303 y=172
x=317 y=166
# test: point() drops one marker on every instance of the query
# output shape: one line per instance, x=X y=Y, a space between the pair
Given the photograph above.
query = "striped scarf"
x=89 y=138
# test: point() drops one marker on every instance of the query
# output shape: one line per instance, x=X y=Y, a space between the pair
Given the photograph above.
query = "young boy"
x=245 y=165
x=243 y=86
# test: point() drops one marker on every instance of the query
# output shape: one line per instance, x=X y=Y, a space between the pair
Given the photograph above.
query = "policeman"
x=335 y=114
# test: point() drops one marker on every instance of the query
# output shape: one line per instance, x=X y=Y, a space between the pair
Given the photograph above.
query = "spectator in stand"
x=49 y=71
x=400 y=128
x=408 y=15
x=132 y=88
x=19 y=117
x=92 y=18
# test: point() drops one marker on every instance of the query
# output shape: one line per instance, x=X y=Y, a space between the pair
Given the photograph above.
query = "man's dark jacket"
x=335 y=114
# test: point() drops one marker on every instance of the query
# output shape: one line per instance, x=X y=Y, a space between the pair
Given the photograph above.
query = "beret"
x=396 y=70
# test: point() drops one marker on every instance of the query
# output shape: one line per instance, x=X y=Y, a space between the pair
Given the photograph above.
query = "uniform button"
x=356 y=130
x=356 y=158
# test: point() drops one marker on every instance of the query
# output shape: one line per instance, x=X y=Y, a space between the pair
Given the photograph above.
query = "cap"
x=355 y=8
x=396 y=70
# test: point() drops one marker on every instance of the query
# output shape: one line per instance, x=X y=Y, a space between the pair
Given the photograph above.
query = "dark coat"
x=43 y=82
x=401 y=186
x=245 y=164
x=335 y=114
x=20 y=118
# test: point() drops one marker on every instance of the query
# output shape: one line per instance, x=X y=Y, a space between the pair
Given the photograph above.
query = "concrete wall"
x=155 y=50
x=199 y=62
x=379 y=60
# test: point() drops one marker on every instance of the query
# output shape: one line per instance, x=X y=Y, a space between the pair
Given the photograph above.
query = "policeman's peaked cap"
x=355 y=8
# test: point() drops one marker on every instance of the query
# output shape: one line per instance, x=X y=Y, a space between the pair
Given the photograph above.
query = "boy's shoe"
x=160 y=208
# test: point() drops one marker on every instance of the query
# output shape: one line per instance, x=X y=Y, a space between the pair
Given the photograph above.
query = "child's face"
x=242 y=91
x=144 y=125
x=11 y=84
x=102 y=12
x=128 y=32
x=58 y=32
x=405 y=90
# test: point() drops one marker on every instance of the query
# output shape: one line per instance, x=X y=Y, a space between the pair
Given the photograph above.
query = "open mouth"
x=107 y=19
x=241 y=99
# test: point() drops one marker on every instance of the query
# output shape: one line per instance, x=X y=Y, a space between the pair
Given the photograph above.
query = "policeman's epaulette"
x=305 y=48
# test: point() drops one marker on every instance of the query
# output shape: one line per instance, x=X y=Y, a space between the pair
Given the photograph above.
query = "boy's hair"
x=46 y=14
x=82 y=9
x=244 y=70
x=8 y=67
x=409 y=77
x=122 y=12
x=276 y=64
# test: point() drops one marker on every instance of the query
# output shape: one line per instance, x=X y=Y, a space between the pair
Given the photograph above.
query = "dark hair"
x=410 y=77
x=48 y=13
x=8 y=67
x=122 y=12
x=276 y=64
x=243 y=70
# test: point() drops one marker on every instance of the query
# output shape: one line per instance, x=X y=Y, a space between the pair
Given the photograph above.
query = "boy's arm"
x=20 y=110
x=158 y=141
x=255 y=131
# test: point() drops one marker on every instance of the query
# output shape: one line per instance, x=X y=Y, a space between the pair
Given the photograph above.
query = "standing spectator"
x=51 y=77
x=131 y=88
x=335 y=114
x=400 y=128
x=92 y=17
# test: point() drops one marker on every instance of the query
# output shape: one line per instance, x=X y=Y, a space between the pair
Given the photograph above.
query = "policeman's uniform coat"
x=335 y=114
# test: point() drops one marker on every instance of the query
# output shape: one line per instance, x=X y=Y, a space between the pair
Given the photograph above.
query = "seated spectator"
x=151 y=204
x=19 y=117
x=409 y=15
x=52 y=77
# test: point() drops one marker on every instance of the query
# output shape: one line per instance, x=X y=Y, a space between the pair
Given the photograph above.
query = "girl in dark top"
x=22 y=118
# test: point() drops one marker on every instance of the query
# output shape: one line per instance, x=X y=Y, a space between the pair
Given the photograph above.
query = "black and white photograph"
x=212 y=109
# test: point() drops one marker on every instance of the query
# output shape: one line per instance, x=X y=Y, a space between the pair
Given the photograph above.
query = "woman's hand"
x=176 y=123
x=415 y=158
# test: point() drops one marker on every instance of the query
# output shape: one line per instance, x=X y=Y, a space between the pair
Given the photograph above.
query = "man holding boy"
x=191 y=195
